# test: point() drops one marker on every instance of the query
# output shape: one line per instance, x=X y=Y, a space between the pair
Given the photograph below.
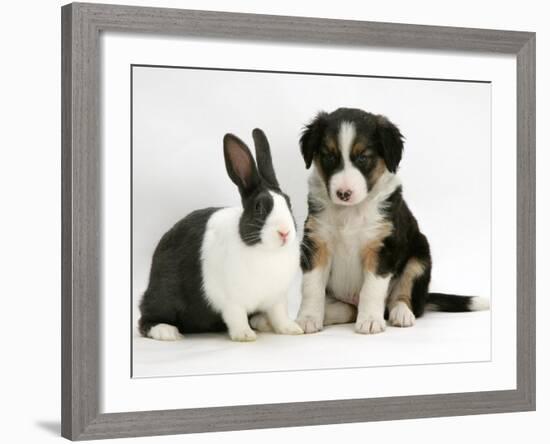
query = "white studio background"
x=30 y=235
x=467 y=366
x=181 y=115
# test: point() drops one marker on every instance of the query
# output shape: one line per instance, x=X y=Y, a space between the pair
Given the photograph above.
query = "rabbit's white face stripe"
x=278 y=222
x=349 y=179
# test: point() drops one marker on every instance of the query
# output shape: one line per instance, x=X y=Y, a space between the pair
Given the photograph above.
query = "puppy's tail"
x=455 y=303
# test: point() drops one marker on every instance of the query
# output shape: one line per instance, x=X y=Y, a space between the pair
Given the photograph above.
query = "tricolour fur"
x=217 y=266
x=362 y=245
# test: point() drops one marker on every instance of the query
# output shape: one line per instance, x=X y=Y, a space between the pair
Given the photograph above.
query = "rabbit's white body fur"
x=242 y=279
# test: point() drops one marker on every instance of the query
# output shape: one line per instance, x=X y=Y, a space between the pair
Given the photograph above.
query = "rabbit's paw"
x=242 y=335
x=164 y=332
x=259 y=322
x=289 y=328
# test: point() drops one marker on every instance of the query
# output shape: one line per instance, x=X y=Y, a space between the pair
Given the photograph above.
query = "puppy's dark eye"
x=328 y=156
x=362 y=159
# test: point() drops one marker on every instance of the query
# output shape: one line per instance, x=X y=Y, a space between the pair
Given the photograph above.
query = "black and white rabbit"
x=217 y=266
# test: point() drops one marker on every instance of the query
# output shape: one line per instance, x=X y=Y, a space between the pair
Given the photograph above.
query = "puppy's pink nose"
x=283 y=234
x=344 y=195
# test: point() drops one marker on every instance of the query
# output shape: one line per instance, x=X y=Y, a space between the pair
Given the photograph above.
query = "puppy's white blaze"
x=349 y=178
x=279 y=219
x=346 y=137
x=478 y=304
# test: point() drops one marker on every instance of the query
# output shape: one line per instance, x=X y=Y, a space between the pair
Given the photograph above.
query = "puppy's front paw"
x=164 y=332
x=242 y=335
x=289 y=328
x=370 y=325
x=310 y=324
x=401 y=316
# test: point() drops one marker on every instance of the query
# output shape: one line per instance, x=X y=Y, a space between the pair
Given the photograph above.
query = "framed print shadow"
x=274 y=221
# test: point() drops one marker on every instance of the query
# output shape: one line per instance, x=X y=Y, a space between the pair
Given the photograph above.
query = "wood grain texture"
x=81 y=222
x=231 y=25
x=119 y=425
x=526 y=221
x=66 y=224
x=81 y=204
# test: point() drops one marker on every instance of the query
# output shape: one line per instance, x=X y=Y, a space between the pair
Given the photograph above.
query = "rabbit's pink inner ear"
x=241 y=163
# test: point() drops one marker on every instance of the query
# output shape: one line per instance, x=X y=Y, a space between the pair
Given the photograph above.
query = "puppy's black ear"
x=240 y=164
x=312 y=137
x=391 y=141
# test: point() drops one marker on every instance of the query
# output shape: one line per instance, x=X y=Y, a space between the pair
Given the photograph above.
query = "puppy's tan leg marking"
x=373 y=294
x=312 y=308
x=372 y=298
x=338 y=312
x=370 y=252
x=399 y=301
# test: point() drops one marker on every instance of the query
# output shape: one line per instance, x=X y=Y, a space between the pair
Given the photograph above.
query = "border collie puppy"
x=363 y=256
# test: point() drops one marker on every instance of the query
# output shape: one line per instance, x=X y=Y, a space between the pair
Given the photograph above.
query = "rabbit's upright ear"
x=263 y=157
x=240 y=164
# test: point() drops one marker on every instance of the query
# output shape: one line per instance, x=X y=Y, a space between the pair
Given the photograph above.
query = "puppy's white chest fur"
x=351 y=230
x=347 y=231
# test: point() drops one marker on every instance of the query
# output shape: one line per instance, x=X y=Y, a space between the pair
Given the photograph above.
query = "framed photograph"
x=276 y=221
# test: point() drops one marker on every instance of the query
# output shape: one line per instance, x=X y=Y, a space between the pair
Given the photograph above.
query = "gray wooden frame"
x=81 y=166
